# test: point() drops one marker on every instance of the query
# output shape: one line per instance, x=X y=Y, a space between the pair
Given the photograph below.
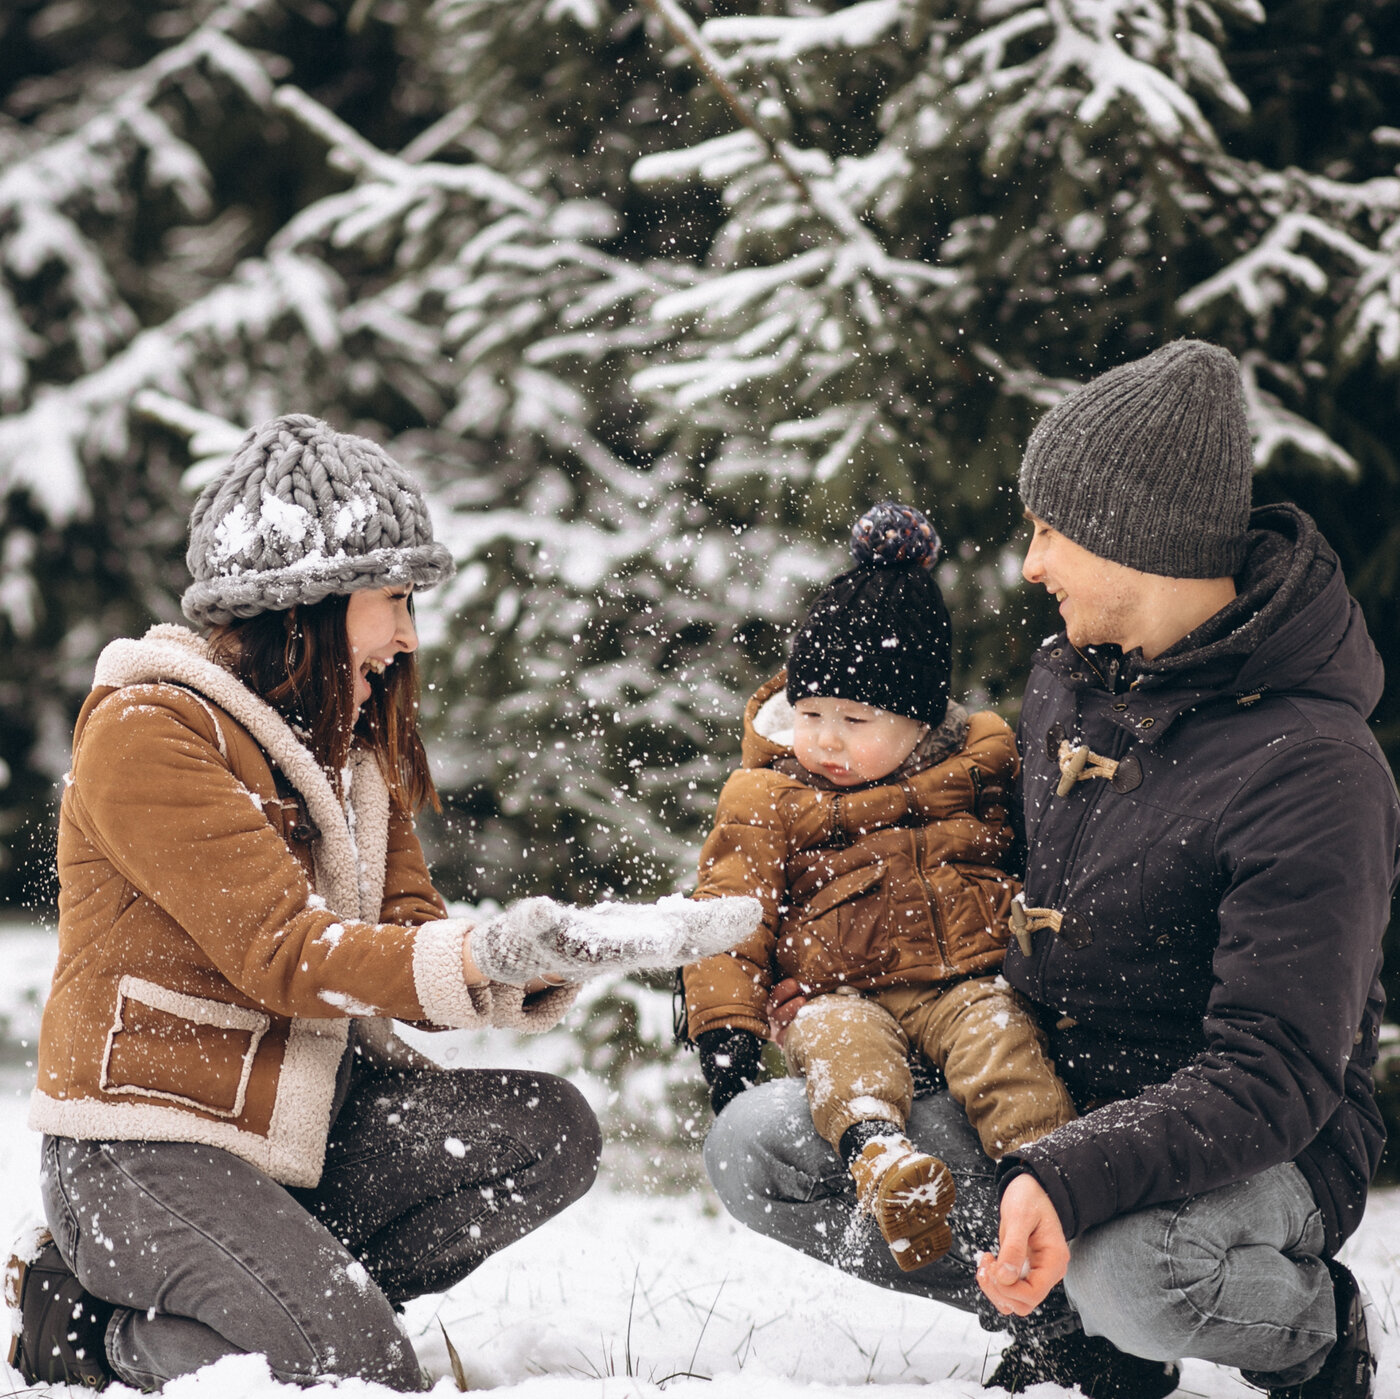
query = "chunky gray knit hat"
x=303 y=512
x=1150 y=464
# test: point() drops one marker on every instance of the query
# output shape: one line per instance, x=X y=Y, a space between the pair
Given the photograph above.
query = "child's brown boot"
x=910 y=1195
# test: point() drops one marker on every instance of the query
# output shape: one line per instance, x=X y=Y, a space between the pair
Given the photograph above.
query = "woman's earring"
x=294 y=642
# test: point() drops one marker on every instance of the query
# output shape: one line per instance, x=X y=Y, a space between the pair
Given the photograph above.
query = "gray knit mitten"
x=539 y=937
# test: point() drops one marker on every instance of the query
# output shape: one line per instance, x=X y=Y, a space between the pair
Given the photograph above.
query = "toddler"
x=869 y=817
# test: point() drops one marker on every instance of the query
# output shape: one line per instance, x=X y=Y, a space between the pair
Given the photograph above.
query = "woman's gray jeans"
x=427 y=1174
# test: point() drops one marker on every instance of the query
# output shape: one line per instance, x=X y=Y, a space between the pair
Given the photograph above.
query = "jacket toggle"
x=295 y=814
x=1078 y=762
x=1027 y=921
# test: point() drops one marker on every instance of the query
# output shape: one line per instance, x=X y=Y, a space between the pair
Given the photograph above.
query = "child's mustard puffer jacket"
x=895 y=883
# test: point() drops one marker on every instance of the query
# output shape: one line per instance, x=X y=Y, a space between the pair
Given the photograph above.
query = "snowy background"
x=644 y=1286
x=656 y=297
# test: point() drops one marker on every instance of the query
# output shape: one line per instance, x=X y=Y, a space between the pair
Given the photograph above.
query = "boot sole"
x=913 y=1217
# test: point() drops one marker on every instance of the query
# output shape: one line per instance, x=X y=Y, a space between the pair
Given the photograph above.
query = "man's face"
x=1100 y=601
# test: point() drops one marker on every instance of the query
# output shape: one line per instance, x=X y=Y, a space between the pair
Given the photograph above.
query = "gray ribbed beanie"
x=1150 y=464
x=303 y=512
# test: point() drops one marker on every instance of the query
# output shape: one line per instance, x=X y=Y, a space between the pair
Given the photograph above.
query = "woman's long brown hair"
x=299 y=661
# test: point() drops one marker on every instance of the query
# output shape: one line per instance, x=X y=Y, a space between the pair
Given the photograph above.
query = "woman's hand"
x=471 y=973
x=540 y=937
x=474 y=976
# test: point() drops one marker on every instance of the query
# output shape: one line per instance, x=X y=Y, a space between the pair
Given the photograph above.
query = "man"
x=1211 y=837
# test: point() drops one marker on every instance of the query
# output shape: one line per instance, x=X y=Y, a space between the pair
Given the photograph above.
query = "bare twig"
x=705 y=1323
x=459 y=1374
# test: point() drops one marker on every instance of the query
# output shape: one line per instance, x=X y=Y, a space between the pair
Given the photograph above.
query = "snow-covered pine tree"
x=167 y=294
x=658 y=311
x=610 y=616
x=1055 y=174
x=110 y=220
x=477 y=324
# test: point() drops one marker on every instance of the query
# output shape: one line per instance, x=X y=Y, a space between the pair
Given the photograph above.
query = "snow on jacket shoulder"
x=893 y=883
x=211 y=949
x=1225 y=894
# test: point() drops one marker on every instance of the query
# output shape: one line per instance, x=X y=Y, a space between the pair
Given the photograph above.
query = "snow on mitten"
x=539 y=937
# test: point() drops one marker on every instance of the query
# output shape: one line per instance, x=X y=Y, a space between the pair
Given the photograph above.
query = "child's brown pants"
x=853 y=1049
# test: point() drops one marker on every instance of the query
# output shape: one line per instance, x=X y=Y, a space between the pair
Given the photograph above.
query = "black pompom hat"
x=880 y=633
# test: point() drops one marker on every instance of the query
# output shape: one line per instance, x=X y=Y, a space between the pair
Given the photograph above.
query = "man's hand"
x=784 y=1001
x=1032 y=1254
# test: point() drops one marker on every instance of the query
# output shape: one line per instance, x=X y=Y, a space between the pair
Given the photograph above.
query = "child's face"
x=849 y=743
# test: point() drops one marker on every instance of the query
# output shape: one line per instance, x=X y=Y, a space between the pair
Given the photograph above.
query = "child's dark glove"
x=729 y=1061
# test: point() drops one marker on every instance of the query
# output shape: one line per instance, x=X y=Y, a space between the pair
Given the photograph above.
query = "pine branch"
x=683 y=30
x=45 y=197
x=819 y=196
x=41 y=448
x=353 y=154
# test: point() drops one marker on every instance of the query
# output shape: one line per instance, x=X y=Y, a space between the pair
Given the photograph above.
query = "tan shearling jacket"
x=892 y=884
x=215 y=938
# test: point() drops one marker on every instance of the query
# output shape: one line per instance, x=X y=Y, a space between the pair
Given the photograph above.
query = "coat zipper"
x=939 y=934
x=1072 y=857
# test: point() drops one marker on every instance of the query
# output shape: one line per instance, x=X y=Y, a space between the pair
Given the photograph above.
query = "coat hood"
x=1293 y=626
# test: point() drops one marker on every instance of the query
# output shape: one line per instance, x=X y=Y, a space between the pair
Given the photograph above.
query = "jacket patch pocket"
x=845 y=917
x=181 y=1049
x=976 y=903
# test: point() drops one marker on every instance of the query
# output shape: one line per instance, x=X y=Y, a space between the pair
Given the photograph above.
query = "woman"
x=239 y=1155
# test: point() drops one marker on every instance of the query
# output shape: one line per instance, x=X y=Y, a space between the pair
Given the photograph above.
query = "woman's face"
x=378 y=626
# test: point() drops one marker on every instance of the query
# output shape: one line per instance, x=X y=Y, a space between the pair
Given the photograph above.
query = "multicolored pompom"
x=890 y=534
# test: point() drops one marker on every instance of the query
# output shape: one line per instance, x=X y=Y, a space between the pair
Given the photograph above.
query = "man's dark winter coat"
x=1229 y=887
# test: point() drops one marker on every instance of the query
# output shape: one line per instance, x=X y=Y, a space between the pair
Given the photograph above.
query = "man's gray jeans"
x=1234 y=1276
x=778 y=1177
x=427 y=1175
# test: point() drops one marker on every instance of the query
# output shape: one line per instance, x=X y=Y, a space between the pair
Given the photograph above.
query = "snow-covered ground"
x=628 y=1293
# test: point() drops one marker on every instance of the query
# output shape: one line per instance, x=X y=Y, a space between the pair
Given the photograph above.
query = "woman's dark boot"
x=58 y=1330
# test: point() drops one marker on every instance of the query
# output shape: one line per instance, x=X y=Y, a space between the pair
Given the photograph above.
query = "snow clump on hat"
x=302 y=513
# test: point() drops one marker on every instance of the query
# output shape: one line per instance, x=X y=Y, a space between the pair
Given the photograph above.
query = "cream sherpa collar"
x=349 y=862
